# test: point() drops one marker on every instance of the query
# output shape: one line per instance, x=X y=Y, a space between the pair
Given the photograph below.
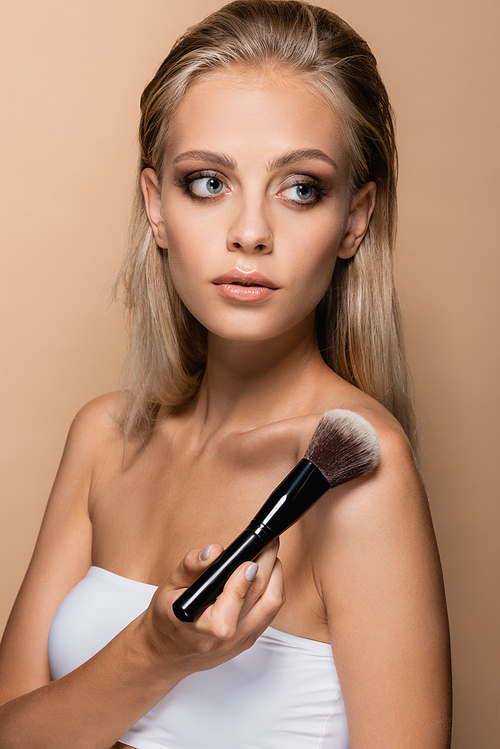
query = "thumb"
x=191 y=567
x=223 y=615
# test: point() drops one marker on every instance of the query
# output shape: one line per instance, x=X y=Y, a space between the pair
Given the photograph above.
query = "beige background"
x=71 y=76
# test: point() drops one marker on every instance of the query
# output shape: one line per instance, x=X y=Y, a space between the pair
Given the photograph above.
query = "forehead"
x=256 y=113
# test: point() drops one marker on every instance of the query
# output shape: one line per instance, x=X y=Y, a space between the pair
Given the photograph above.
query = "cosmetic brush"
x=343 y=447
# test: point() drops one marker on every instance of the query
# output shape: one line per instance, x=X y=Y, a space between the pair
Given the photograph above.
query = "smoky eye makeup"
x=304 y=191
x=297 y=190
x=202 y=185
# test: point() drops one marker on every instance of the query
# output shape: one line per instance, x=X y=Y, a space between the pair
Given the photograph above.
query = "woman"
x=260 y=289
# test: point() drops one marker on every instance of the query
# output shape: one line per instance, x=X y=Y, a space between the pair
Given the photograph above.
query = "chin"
x=253 y=333
x=251 y=324
x=243 y=336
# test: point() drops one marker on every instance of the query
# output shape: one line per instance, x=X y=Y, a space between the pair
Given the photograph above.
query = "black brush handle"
x=210 y=583
x=294 y=496
x=290 y=500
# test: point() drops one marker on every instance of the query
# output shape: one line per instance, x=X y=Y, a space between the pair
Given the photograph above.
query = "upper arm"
x=61 y=558
x=380 y=578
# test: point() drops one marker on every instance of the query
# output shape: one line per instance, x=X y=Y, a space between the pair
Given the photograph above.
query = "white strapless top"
x=282 y=693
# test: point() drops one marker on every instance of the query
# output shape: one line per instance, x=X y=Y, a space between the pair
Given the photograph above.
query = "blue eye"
x=301 y=193
x=304 y=192
x=206 y=186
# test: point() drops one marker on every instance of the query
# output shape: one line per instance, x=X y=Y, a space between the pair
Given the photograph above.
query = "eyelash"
x=319 y=188
x=185 y=181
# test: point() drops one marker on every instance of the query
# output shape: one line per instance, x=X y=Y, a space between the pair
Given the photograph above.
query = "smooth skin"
x=256 y=177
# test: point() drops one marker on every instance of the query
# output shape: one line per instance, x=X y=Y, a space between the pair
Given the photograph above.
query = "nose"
x=250 y=230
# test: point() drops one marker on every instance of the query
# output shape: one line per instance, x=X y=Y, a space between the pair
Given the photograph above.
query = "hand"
x=228 y=626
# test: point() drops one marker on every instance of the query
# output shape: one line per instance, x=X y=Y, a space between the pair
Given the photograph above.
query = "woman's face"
x=254 y=205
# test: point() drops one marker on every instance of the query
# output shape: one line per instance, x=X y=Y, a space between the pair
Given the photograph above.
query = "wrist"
x=159 y=651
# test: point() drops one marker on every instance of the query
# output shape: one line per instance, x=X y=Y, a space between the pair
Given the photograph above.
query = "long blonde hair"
x=358 y=322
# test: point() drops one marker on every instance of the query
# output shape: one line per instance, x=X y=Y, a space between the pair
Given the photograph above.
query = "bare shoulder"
x=383 y=515
x=92 y=438
x=95 y=440
x=62 y=554
x=393 y=490
x=95 y=426
x=377 y=571
x=397 y=466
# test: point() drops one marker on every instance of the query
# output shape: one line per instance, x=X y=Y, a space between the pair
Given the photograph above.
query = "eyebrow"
x=217 y=158
x=302 y=155
x=280 y=161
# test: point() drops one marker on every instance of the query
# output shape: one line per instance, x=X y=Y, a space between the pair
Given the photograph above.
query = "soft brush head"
x=344 y=446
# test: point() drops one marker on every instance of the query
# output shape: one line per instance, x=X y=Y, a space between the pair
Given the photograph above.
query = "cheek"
x=191 y=254
x=186 y=246
x=316 y=258
x=183 y=272
x=314 y=283
x=303 y=260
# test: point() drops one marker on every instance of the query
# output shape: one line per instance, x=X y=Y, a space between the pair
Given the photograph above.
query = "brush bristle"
x=343 y=446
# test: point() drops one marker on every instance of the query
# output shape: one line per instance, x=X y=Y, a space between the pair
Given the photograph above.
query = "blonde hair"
x=358 y=322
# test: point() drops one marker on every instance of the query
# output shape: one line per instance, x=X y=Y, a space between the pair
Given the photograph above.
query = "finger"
x=266 y=560
x=240 y=596
x=191 y=567
x=262 y=611
x=221 y=618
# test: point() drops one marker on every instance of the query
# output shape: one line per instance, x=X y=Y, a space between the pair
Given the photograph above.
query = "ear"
x=151 y=190
x=360 y=211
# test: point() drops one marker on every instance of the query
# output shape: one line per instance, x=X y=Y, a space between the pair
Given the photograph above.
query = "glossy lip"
x=241 y=278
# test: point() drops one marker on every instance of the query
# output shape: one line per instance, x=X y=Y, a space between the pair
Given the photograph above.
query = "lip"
x=238 y=286
x=241 y=278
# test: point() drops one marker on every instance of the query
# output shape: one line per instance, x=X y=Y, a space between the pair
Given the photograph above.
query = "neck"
x=248 y=384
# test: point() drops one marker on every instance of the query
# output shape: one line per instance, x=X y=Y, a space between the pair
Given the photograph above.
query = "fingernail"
x=251 y=571
x=204 y=554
